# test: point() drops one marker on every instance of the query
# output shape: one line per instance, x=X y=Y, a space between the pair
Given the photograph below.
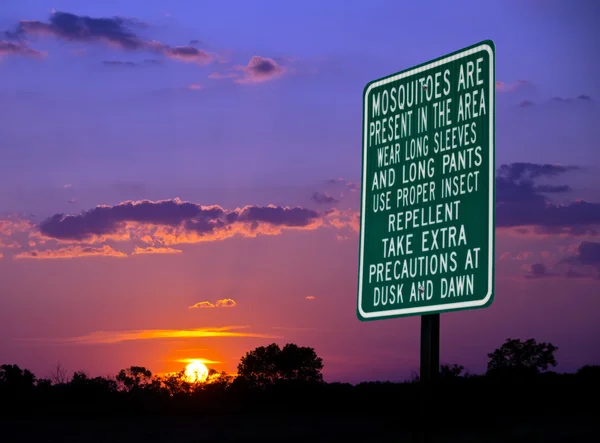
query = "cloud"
x=511 y=87
x=71 y=252
x=522 y=256
x=553 y=189
x=347 y=219
x=130 y=64
x=12 y=245
x=76 y=28
x=113 y=31
x=11 y=48
x=13 y=225
x=224 y=303
x=310 y=297
x=586 y=259
x=194 y=86
x=574 y=274
x=1 y=255
x=152 y=250
x=119 y=63
x=11 y=229
x=323 y=198
x=520 y=202
x=188 y=54
x=525 y=104
x=352 y=186
x=580 y=99
x=173 y=221
x=112 y=337
x=523 y=172
x=202 y=304
x=583 y=265
x=260 y=69
x=538 y=271
x=201 y=360
x=588 y=254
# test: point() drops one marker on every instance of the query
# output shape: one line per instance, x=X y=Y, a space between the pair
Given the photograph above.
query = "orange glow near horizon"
x=106 y=337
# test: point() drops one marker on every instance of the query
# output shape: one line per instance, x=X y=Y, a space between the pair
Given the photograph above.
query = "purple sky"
x=255 y=103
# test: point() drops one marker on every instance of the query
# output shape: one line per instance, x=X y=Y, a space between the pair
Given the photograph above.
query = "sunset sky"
x=181 y=180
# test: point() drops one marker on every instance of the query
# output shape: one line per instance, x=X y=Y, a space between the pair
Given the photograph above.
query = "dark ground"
x=504 y=407
x=267 y=429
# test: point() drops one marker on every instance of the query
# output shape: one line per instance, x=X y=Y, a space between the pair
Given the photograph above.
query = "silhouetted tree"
x=590 y=374
x=516 y=356
x=136 y=378
x=43 y=384
x=104 y=384
x=15 y=379
x=264 y=366
x=176 y=384
x=59 y=375
x=79 y=378
x=217 y=381
x=448 y=372
x=82 y=382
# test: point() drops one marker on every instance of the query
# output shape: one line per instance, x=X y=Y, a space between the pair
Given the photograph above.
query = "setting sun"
x=196 y=372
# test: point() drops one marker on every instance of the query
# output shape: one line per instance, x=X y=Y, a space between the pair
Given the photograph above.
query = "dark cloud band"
x=520 y=202
x=113 y=31
x=12 y=48
x=323 y=198
x=107 y=220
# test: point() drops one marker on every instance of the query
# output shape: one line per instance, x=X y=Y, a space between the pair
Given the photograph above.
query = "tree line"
x=289 y=379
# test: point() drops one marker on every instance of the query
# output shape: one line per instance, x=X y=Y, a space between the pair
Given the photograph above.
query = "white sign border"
x=447 y=306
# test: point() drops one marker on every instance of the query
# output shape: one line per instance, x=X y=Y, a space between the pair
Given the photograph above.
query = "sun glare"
x=196 y=372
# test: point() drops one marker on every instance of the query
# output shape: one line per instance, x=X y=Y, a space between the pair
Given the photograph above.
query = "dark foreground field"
x=513 y=405
x=300 y=428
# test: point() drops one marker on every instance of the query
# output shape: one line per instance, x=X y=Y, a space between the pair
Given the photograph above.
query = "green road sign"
x=428 y=188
